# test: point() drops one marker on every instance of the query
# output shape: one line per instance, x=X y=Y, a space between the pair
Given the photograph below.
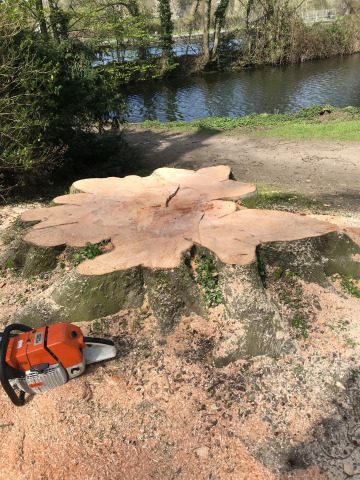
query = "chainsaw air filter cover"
x=52 y=377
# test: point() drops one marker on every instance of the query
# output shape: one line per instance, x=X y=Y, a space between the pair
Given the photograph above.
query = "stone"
x=202 y=452
x=349 y=468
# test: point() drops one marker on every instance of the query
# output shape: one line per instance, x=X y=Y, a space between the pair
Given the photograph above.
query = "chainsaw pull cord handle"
x=18 y=401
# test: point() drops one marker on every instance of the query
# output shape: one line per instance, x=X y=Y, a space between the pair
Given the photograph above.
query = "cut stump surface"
x=152 y=221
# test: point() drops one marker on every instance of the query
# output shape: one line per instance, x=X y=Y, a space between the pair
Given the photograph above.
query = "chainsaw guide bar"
x=41 y=359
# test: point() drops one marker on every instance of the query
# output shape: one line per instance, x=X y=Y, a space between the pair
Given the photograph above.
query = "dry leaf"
x=340 y=385
x=87 y=392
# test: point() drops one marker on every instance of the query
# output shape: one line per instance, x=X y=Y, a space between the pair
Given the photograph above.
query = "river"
x=333 y=81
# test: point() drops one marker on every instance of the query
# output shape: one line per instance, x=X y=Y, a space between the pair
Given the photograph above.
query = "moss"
x=41 y=259
x=304 y=256
x=245 y=300
x=15 y=254
x=339 y=249
x=34 y=260
x=87 y=297
x=38 y=314
x=315 y=258
x=16 y=231
x=80 y=298
x=172 y=293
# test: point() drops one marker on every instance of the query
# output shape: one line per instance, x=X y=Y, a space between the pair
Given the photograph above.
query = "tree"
x=167 y=28
x=220 y=15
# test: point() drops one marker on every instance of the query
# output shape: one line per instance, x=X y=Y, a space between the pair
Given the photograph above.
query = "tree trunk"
x=53 y=20
x=41 y=17
x=206 y=35
x=220 y=14
x=192 y=26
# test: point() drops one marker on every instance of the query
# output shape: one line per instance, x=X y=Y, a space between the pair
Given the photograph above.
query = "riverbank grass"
x=335 y=130
x=321 y=122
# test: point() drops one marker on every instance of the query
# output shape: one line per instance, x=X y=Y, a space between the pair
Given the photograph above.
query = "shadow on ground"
x=326 y=172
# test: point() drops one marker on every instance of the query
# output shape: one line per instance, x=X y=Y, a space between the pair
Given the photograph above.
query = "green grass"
x=336 y=130
x=306 y=124
x=270 y=199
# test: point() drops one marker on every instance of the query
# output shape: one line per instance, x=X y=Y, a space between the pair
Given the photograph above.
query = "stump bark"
x=157 y=225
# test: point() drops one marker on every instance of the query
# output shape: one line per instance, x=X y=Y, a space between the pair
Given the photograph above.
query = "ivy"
x=88 y=253
x=207 y=278
x=167 y=28
x=300 y=324
x=349 y=286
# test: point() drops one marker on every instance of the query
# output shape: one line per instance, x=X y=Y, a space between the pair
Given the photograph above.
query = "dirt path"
x=331 y=170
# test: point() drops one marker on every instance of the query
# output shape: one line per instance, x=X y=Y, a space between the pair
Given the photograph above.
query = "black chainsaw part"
x=6 y=372
x=103 y=341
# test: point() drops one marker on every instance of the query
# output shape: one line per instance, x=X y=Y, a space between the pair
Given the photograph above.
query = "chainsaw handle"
x=17 y=400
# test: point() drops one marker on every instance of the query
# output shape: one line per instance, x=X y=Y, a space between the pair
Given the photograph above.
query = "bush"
x=25 y=155
x=54 y=107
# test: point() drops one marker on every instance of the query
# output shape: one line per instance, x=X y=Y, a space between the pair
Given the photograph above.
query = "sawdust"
x=16 y=291
x=160 y=410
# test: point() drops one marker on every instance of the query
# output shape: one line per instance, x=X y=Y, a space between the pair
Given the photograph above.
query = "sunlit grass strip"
x=307 y=123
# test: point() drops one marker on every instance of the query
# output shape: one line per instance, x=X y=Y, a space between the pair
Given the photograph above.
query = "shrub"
x=54 y=106
x=25 y=155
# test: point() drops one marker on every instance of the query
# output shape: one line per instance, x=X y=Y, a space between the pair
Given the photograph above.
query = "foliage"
x=349 y=285
x=26 y=84
x=88 y=253
x=207 y=278
x=98 y=326
x=51 y=101
x=340 y=325
x=300 y=324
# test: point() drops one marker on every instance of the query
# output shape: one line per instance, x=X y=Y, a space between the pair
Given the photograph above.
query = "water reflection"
x=335 y=81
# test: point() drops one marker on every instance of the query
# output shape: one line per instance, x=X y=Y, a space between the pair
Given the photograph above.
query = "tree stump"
x=156 y=226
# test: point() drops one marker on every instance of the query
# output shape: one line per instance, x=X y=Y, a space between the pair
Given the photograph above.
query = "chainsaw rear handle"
x=4 y=379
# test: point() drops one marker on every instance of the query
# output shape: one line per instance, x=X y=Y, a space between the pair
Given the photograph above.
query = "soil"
x=160 y=410
x=327 y=171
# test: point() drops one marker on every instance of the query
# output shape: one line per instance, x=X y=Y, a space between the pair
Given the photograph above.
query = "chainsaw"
x=41 y=359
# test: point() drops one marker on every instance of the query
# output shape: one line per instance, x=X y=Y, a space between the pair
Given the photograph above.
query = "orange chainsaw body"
x=46 y=345
x=44 y=358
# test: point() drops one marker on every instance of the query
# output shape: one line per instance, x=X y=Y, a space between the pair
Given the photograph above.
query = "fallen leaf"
x=2 y=285
x=87 y=392
x=340 y=385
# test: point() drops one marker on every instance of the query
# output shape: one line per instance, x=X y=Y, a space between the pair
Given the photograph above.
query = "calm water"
x=335 y=82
